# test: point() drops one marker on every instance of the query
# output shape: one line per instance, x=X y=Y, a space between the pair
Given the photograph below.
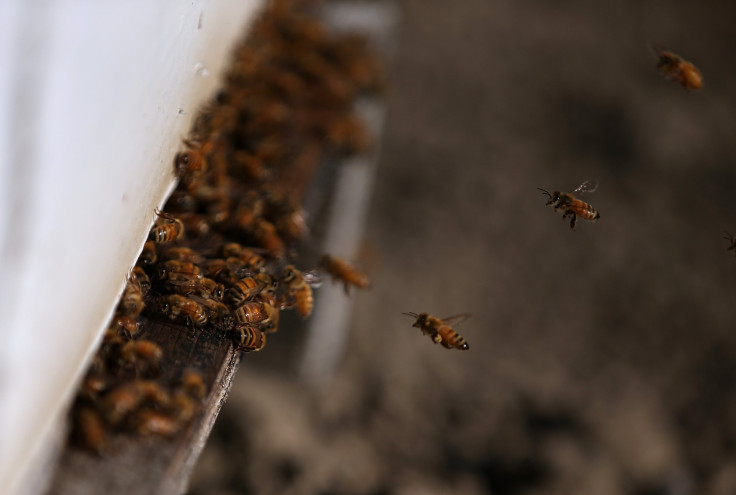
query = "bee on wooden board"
x=167 y=228
x=253 y=313
x=299 y=290
x=572 y=206
x=673 y=67
x=343 y=271
x=440 y=331
x=178 y=306
x=248 y=338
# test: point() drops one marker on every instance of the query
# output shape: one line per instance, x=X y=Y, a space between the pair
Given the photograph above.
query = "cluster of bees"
x=217 y=259
x=672 y=67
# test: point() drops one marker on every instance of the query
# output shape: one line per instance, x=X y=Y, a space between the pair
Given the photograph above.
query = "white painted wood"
x=95 y=98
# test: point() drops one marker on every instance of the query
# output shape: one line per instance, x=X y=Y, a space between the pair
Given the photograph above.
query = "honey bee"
x=672 y=66
x=120 y=402
x=195 y=224
x=149 y=422
x=89 y=430
x=440 y=331
x=732 y=239
x=193 y=384
x=268 y=238
x=191 y=163
x=249 y=209
x=298 y=289
x=217 y=311
x=167 y=228
x=143 y=355
x=341 y=270
x=572 y=206
x=271 y=325
x=269 y=284
x=141 y=278
x=244 y=289
x=249 y=257
x=178 y=271
x=210 y=289
x=177 y=306
x=181 y=253
x=131 y=304
x=148 y=255
x=249 y=167
x=248 y=339
x=125 y=326
x=252 y=313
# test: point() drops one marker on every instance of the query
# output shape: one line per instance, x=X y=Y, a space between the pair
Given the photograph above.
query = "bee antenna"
x=413 y=315
x=545 y=191
x=728 y=235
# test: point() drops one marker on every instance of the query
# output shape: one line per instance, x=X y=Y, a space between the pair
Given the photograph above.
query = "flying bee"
x=177 y=306
x=167 y=228
x=440 y=331
x=572 y=206
x=299 y=289
x=248 y=338
x=732 y=239
x=672 y=66
x=345 y=272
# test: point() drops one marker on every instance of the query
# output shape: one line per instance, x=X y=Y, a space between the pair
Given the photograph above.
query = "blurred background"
x=602 y=360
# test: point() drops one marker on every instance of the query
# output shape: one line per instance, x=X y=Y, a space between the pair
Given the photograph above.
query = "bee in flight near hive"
x=672 y=66
x=341 y=270
x=299 y=290
x=571 y=205
x=440 y=331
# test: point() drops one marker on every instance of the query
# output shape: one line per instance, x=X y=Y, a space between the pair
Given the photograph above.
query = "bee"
x=252 y=313
x=249 y=257
x=120 y=402
x=192 y=163
x=244 y=289
x=131 y=304
x=149 y=422
x=672 y=66
x=176 y=306
x=440 y=331
x=345 y=272
x=148 y=255
x=271 y=325
x=268 y=238
x=248 y=338
x=217 y=311
x=732 y=239
x=249 y=167
x=167 y=228
x=269 y=284
x=192 y=384
x=125 y=326
x=89 y=430
x=572 y=206
x=195 y=224
x=181 y=202
x=210 y=289
x=178 y=271
x=181 y=253
x=141 y=278
x=298 y=289
x=142 y=354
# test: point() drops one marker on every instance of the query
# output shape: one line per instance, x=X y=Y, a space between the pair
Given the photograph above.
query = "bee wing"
x=589 y=186
x=313 y=278
x=455 y=319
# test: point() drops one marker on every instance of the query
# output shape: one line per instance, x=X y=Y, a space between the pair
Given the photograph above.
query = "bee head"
x=288 y=274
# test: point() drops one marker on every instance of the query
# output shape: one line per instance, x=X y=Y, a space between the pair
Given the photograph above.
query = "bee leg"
x=572 y=221
x=347 y=287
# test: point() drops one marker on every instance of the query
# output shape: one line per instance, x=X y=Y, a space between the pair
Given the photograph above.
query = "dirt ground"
x=602 y=361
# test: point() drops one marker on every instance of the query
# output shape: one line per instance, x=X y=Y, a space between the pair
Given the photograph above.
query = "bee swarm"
x=215 y=271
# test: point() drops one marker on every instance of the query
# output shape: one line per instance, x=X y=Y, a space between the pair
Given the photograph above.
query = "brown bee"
x=148 y=256
x=178 y=271
x=181 y=253
x=244 y=289
x=125 y=326
x=249 y=167
x=167 y=228
x=149 y=422
x=143 y=355
x=141 y=278
x=177 y=306
x=672 y=66
x=341 y=270
x=193 y=384
x=195 y=224
x=440 y=331
x=572 y=206
x=89 y=430
x=252 y=313
x=269 y=284
x=248 y=256
x=298 y=289
x=217 y=311
x=268 y=238
x=120 y=402
x=131 y=304
x=210 y=289
x=248 y=338
x=732 y=239
x=271 y=325
x=192 y=163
